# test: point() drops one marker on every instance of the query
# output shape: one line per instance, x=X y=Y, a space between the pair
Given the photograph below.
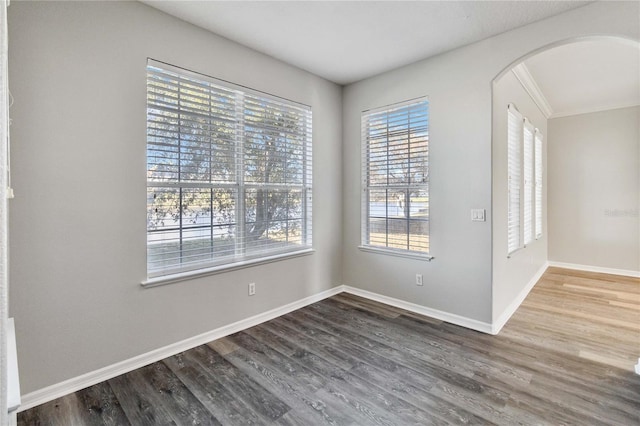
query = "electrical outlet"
x=418 y=279
x=252 y=289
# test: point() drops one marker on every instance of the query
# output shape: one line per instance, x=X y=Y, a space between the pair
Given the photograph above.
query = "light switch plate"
x=478 y=215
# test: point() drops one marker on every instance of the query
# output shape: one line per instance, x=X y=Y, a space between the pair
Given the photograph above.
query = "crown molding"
x=595 y=108
x=529 y=84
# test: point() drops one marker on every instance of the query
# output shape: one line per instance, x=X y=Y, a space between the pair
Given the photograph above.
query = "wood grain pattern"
x=565 y=357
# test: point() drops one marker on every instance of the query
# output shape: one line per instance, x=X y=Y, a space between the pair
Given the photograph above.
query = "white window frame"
x=524 y=181
x=417 y=228
x=237 y=184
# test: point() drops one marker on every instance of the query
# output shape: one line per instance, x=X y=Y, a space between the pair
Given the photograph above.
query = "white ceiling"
x=346 y=41
x=587 y=76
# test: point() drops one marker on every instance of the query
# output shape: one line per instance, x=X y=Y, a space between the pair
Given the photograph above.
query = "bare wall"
x=594 y=189
x=78 y=222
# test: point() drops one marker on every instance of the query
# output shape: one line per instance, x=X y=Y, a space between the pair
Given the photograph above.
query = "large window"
x=524 y=170
x=395 y=171
x=228 y=173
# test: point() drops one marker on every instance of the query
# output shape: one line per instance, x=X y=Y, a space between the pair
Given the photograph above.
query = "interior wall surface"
x=513 y=272
x=594 y=192
x=78 y=222
x=459 y=280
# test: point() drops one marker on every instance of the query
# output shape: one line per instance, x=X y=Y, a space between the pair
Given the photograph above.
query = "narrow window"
x=538 y=183
x=528 y=181
x=514 y=172
x=395 y=171
x=228 y=173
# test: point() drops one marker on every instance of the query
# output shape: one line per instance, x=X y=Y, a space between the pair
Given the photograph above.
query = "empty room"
x=320 y=212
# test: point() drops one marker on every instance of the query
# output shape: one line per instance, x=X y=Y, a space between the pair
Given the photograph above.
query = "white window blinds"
x=514 y=172
x=228 y=173
x=395 y=171
x=538 y=183
x=528 y=181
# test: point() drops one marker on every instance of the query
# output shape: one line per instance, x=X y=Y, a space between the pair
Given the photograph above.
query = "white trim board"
x=594 y=108
x=531 y=87
x=515 y=304
x=597 y=269
x=66 y=387
x=429 y=312
x=89 y=379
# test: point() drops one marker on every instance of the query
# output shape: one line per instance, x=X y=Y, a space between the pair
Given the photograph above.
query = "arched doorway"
x=582 y=96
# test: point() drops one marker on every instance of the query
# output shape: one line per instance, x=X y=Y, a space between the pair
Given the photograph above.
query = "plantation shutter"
x=528 y=181
x=538 y=183
x=514 y=168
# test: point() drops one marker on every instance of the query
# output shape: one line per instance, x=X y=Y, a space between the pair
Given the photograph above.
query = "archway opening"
x=583 y=97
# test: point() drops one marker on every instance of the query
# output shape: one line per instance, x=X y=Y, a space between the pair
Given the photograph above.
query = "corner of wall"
x=498 y=324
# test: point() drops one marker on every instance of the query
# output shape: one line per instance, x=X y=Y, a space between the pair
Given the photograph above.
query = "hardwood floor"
x=592 y=316
x=565 y=357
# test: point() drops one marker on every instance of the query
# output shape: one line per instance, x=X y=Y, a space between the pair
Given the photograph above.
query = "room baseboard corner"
x=515 y=304
x=75 y=384
x=596 y=269
x=422 y=310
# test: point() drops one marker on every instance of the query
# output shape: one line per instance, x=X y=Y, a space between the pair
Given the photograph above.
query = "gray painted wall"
x=77 y=73
x=511 y=275
x=594 y=189
x=459 y=280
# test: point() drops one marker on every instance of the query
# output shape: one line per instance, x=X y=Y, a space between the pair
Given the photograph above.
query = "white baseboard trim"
x=89 y=379
x=75 y=384
x=433 y=313
x=597 y=269
x=515 y=304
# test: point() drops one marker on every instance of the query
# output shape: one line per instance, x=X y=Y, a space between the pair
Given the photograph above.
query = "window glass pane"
x=274 y=218
x=203 y=229
x=397 y=233
x=419 y=204
x=379 y=207
x=419 y=223
x=419 y=235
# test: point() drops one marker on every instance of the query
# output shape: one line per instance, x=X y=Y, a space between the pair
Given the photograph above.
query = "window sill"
x=189 y=275
x=519 y=249
x=396 y=253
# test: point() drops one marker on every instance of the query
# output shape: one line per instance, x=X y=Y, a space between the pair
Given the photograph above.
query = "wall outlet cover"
x=478 y=215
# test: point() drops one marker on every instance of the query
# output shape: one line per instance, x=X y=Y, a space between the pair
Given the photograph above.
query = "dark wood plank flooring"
x=564 y=358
